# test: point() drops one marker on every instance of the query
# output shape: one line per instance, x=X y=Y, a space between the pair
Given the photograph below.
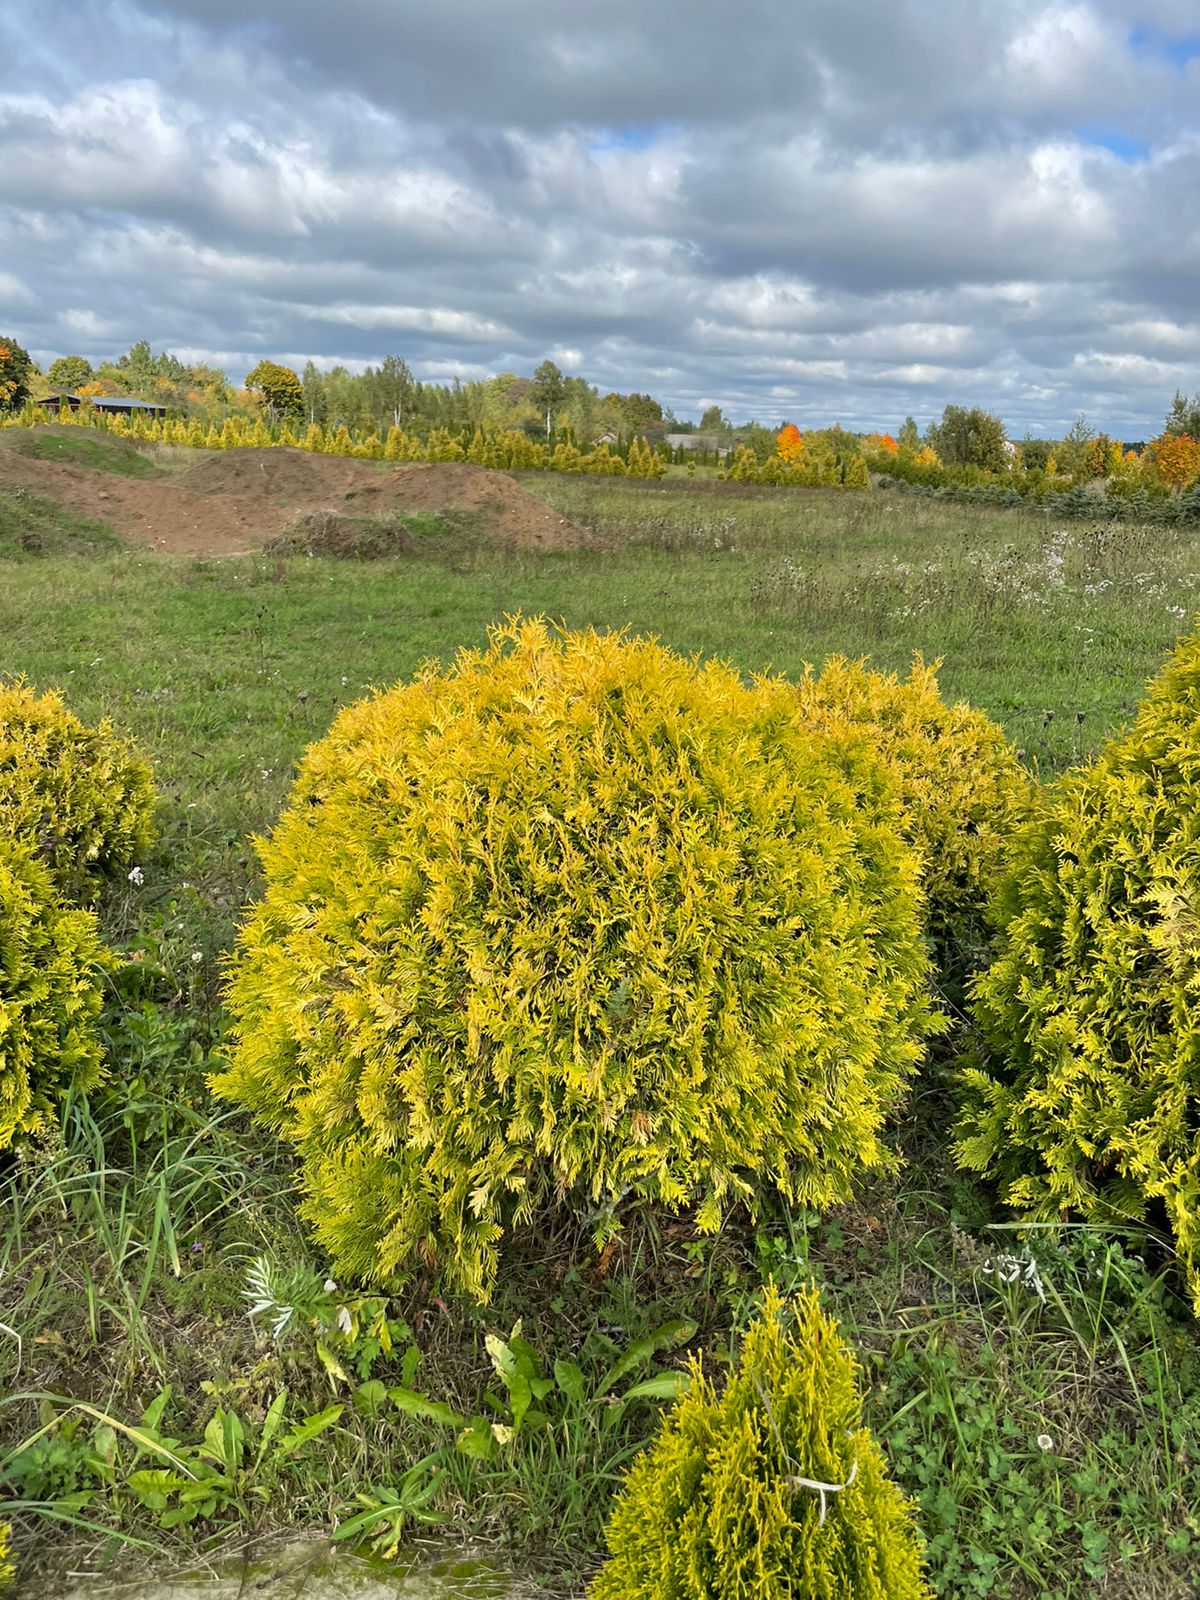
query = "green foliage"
x=771 y=1489
x=557 y=1407
x=1184 y=416
x=960 y=784
x=280 y=388
x=969 y=438
x=16 y=369
x=81 y=798
x=68 y=372
x=1088 y=1096
x=50 y=962
x=80 y=1455
x=575 y=920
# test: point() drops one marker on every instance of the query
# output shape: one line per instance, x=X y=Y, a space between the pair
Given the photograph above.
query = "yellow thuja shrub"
x=961 y=787
x=1086 y=1094
x=81 y=798
x=771 y=1488
x=51 y=961
x=8 y=1567
x=576 y=921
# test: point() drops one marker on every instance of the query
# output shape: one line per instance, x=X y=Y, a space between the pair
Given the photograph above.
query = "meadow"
x=1038 y=1392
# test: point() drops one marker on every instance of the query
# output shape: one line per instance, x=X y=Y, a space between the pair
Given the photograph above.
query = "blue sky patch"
x=1125 y=145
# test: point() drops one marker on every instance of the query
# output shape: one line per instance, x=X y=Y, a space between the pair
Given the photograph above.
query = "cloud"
x=865 y=209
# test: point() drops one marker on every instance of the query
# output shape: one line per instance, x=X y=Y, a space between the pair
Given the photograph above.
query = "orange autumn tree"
x=1177 y=460
x=884 y=442
x=789 y=442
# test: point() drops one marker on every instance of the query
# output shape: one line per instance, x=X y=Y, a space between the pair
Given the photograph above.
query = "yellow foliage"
x=81 y=798
x=769 y=1489
x=49 y=995
x=960 y=785
x=575 y=920
x=1087 y=1100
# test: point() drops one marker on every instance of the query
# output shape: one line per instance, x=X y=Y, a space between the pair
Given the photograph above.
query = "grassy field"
x=1046 y=1424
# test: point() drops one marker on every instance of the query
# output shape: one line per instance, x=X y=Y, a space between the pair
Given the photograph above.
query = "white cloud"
x=895 y=205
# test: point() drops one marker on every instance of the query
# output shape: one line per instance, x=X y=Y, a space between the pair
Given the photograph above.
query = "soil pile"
x=241 y=500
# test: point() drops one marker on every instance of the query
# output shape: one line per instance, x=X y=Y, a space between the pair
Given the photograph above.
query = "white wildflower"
x=137 y=877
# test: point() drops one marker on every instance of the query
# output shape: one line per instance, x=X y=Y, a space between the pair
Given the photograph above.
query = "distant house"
x=607 y=437
x=114 y=405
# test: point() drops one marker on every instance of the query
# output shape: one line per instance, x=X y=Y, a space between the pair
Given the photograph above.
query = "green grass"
x=127 y=1238
x=31 y=526
x=81 y=447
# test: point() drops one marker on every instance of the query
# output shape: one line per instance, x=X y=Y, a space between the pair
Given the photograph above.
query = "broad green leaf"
x=418 y=1405
x=668 y=1337
x=308 y=1429
x=569 y=1379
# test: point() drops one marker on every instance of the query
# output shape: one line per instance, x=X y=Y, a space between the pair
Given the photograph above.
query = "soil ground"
x=235 y=502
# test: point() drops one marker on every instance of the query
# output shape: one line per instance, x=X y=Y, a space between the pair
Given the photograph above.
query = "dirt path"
x=233 y=503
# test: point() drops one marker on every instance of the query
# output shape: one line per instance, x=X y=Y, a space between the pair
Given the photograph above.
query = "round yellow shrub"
x=575 y=919
x=1086 y=1094
x=961 y=786
x=80 y=797
x=51 y=961
x=771 y=1489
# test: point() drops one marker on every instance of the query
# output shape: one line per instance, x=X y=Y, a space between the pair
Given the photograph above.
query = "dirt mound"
x=240 y=500
x=510 y=515
x=291 y=476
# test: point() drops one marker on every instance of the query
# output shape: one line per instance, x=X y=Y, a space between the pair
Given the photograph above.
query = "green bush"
x=80 y=797
x=770 y=1490
x=1087 y=1095
x=50 y=963
x=961 y=787
x=579 y=920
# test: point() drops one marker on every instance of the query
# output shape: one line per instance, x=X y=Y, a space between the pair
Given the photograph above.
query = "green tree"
x=970 y=438
x=713 y=421
x=909 y=437
x=16 y=369
x=1184 y=416
x=642 y=412
x=389 y=390
x=68 y=372
x=312 y=387
x=549 y=389
x=280 y=388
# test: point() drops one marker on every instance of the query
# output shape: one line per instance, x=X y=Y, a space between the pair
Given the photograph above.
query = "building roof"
x=121 y=402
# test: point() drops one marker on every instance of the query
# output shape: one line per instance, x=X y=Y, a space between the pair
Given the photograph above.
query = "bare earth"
x=233 y=503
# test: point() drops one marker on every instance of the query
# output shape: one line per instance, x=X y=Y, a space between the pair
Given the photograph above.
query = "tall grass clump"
x=81 y=798
x=575 y=921
x=1087 y=1096
x=770 y=1488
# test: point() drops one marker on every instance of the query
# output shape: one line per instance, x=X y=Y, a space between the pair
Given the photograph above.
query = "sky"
x=844 y=210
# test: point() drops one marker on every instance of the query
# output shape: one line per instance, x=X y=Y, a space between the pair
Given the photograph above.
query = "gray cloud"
x=869 y=209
